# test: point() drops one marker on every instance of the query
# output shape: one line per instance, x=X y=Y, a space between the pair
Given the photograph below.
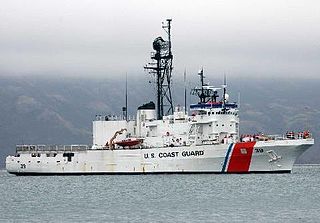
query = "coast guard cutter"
x=166 y=139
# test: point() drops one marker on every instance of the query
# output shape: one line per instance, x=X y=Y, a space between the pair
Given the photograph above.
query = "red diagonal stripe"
x=241 y=157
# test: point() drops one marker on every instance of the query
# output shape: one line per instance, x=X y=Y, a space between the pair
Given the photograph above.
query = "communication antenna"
x=202 y=96
x=185 y=90
x=125 y=109
x=205 y=92
x=161 y=67
x=224 y=86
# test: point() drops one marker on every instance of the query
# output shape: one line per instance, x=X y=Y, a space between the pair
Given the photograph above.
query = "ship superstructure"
x=205 y=140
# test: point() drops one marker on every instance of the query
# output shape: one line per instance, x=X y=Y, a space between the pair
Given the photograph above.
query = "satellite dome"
x=226 y=97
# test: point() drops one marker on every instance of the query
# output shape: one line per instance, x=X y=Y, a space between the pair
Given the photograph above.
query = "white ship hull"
x=250 y=157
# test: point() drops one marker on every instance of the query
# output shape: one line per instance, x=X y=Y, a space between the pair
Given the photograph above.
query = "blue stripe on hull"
x=226 y=158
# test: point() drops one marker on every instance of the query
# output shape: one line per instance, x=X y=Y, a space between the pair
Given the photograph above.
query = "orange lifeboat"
x=129 y=142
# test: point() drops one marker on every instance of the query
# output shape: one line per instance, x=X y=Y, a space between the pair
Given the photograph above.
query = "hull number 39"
x=258 y=150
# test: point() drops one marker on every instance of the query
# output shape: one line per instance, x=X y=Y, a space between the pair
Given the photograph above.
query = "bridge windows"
x=35 y=154
x=51 y=154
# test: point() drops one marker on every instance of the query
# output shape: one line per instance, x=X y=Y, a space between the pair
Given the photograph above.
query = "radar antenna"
x=205 y=93
x=162 y=69
x=224 y=86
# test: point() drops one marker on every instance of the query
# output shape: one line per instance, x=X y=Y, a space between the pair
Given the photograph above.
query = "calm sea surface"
x=162 y=198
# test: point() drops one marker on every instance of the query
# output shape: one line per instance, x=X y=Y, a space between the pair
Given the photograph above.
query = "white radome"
x=226 y=97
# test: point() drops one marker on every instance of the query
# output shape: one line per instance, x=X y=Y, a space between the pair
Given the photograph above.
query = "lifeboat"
x=214 y=103
x=129 y=142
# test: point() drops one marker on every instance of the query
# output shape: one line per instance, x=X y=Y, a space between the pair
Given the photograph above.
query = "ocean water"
x=291 y=197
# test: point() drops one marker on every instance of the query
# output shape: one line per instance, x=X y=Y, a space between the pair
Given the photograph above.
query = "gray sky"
x=103 y=38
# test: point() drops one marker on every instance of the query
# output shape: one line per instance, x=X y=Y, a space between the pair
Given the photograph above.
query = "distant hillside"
x=60 y=111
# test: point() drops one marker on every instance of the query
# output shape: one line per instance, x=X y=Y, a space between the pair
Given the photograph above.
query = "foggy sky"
x=247 y=38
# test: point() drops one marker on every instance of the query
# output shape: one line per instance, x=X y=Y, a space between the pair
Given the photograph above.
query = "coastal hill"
x=37 y=110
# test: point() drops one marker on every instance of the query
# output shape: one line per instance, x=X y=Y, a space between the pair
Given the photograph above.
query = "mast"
x=185 y=91
x=125 y=108
x=126 y=97
x=202 y=96
x=205 y=92
x=162 y=70
x=224 y=86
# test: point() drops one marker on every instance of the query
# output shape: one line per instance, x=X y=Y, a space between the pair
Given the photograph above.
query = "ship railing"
x=291 y=135
x=31 y=148
x=275 y=137
x=287 y=136
x=298 y=135
x=114 y=118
